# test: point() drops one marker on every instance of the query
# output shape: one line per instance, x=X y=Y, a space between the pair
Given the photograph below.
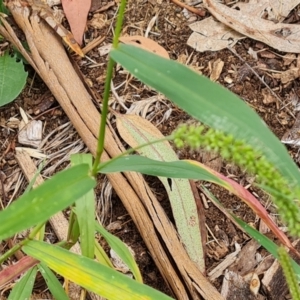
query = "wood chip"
x=228 y=261
x=246 y=261
x=235 y=287
x=217 y=67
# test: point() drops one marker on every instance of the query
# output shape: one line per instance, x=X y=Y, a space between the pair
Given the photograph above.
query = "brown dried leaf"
x=284 y=37
x=76 y=12
x=145 y=43
x=210 y=35
x=270 y=10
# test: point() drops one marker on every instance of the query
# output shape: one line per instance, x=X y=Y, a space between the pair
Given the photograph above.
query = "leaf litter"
x=259 y=20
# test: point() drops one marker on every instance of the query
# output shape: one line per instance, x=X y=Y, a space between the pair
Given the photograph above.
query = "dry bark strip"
x=50 y=61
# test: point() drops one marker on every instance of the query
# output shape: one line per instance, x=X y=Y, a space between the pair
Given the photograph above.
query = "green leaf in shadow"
x=122 y=251
x=12 y=78
x=174 y=169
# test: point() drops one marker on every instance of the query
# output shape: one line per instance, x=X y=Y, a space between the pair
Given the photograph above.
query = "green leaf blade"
x=23 y=288
x=118 y=246
x=91 y=275
x=53 y=284
x=144 y=165
x=206 y=101
x=39 y=204
x=85 y=211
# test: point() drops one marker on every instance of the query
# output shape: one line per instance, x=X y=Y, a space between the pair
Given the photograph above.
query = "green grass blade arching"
x=265 y=242
x=206 y=101
x=40 y=204
x=101 y=255
x=91 y=275
x=23 y=288
x=144 y=165
x=52 y=282
x=122 y=251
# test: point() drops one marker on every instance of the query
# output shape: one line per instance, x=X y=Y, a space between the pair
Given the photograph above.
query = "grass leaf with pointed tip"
x=122 y=251
x=193 y=170
x=52 y=282
x=144 y=165
x=208 y=102
x=39 y=204
x=23 y=288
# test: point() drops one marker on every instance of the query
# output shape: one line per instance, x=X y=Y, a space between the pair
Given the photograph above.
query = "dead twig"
x=194 y=10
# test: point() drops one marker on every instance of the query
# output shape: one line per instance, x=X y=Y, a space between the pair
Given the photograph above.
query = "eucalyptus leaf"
x=136 y=131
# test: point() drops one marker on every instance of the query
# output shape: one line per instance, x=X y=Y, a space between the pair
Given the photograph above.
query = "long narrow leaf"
x=194 y=170
x=259 y=237
x=91 y=275
x=23 y=289
x=265 y=242
x=85 y=211
x=39 y=204
x=206 y=101
x=101 y=255
x=174 y=169
x=122 y=251
x=15 y=270
x=53 y=284
x=73 y=229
